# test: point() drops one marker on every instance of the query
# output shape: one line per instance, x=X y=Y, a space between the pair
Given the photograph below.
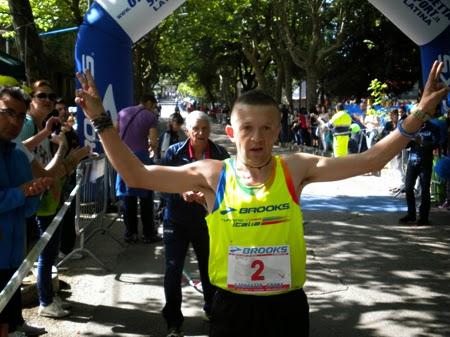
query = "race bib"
x=262 y=269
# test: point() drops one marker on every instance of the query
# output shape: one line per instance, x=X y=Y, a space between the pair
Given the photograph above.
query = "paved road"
x=367 y=276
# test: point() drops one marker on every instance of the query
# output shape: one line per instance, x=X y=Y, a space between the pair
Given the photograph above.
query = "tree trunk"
x=279 y=83
x=228 y=89
x=288 y=81
x=28 y=40
x=311 y=88
x=260 y=77
x=75 y=8
x=258 y=63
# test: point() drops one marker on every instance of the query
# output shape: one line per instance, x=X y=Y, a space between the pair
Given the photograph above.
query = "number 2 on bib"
x=259 y=265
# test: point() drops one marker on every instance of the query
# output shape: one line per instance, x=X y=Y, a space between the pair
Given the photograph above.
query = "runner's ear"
x=230 y=132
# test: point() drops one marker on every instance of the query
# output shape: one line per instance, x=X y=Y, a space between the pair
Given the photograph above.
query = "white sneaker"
x=30 y=330
x=63 y=304
x=53 y=310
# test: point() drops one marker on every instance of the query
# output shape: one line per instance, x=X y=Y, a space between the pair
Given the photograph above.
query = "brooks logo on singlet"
x=261 y=209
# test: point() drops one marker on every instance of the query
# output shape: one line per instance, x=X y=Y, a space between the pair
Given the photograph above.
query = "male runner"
x=257 y=251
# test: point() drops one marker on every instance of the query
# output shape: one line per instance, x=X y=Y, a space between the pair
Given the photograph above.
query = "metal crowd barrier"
x=94 y=185
x=16 y=280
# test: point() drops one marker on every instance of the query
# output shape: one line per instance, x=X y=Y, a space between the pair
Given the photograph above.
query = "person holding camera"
x=36 y=140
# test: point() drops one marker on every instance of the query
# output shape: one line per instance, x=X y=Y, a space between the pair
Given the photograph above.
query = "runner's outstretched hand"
x=87 y=97
x=434 y=90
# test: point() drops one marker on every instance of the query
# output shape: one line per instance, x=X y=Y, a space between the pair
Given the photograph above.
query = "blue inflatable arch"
x=111 y=27
x=109 y=30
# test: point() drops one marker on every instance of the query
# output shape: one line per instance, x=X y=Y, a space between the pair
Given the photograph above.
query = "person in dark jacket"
x=184 y=221
x=420 y=164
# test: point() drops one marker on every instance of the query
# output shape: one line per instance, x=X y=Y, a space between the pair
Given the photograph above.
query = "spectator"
x=396 y=164
x=420 y=165
x=314 y=128
x=184 y=221
x=68 y=235
x=42 y=104
x=391 y=125
x=300 y=128
x=171 y=135
x=284 y=134
x=371 y=124
x=324 y=132
x=137 y=127
x=18 y=200
x=340 y=123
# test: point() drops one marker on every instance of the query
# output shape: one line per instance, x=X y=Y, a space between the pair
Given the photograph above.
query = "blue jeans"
x=176 y=242
x=46 y=261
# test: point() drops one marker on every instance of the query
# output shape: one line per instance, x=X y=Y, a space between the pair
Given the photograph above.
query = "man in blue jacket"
x=420 y=165
x=184 y=221
x=18 y=199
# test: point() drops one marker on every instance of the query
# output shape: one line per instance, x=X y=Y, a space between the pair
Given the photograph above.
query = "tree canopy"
x=217 y=48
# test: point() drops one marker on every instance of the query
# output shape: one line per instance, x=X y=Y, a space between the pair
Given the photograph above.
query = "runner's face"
x=255 y=129
x=12 y=116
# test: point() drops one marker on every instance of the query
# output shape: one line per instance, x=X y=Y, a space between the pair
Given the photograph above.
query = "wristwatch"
x=420 y=115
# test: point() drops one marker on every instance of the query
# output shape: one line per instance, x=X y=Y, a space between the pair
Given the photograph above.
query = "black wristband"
x=102 y=122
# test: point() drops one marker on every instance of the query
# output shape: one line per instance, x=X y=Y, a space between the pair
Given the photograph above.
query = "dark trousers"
x=46 y=260
x=68 y=235
x=32 y=232
x=422 y=170
x=12 y=313
x=254 y=316
x=176 y=243
x=130 y=217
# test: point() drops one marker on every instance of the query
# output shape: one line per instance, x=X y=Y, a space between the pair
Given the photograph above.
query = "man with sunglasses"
x=18 y=199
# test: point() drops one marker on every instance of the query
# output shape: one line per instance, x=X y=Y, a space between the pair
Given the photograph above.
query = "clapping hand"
x=36 y=186
x=80 y=152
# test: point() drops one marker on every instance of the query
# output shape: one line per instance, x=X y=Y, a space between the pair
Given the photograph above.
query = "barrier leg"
x=82 y=249
x=105 y=230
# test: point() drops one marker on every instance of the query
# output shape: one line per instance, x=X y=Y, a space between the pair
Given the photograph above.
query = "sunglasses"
x=20 y=117
x=43 y=95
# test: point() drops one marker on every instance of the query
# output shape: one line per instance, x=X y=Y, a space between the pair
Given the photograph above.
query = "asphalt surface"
x=367 y=275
